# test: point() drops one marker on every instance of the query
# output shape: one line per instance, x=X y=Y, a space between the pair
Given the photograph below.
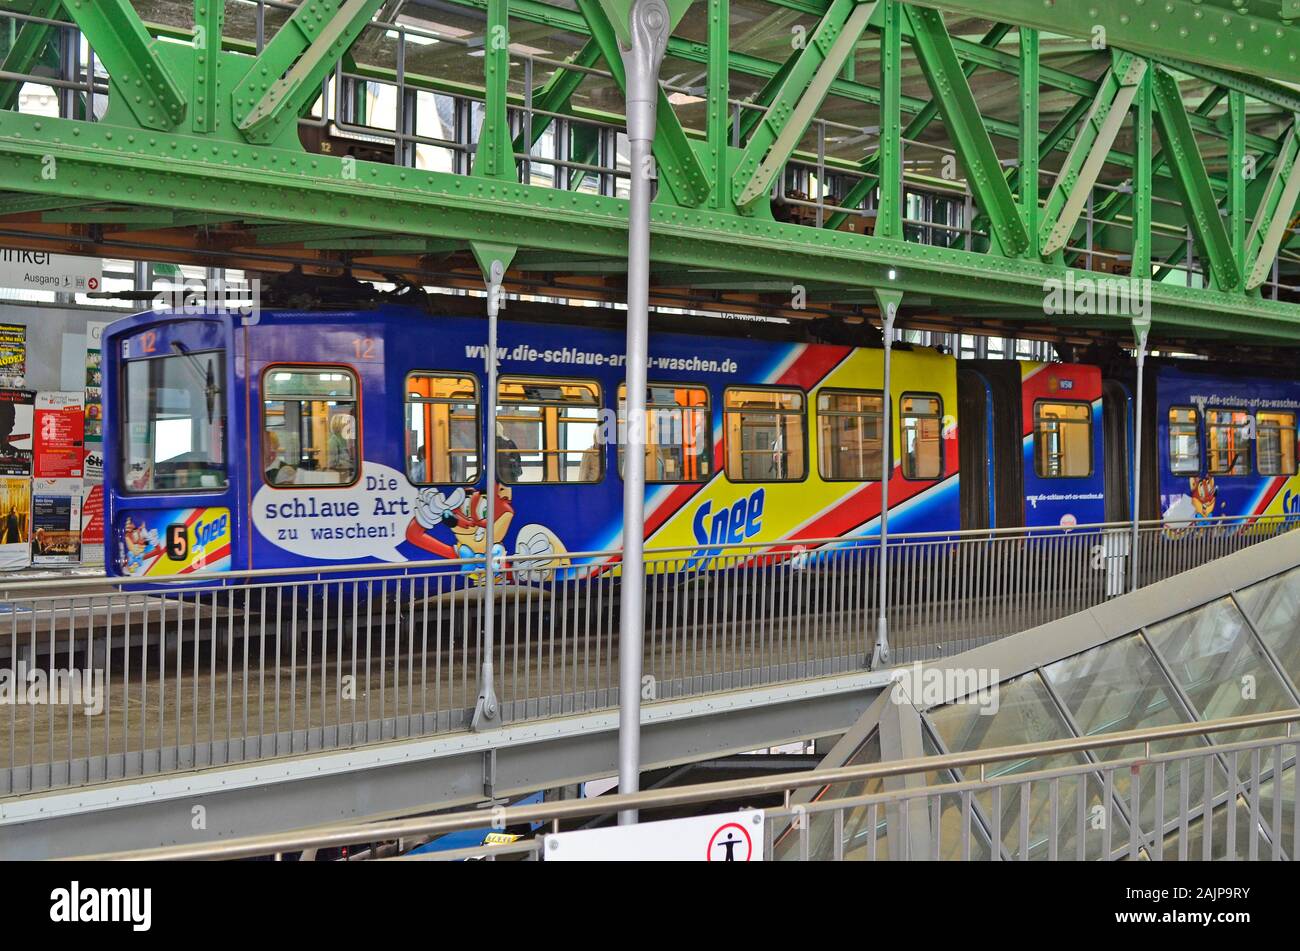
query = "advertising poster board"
x=15 y=523
x=13 y=355
x=60 y=431
x=56 y=521
x=94 y=466
x=92 y=524
x=17 y=425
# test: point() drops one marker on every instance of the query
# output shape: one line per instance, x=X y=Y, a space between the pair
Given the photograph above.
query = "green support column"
x=1074 y=183
x=1275 y=210
x=1028 y=190
x=719 y=117
x=889 y=216
x=676 y=162
x=209 y=19
x=27 y=48
x=1193 y=182
x=1143 y=131
x=494 y=156
x=286 y=77
x=965 y=126
x=1236 y=173
x=800 y=96
x=142 y=83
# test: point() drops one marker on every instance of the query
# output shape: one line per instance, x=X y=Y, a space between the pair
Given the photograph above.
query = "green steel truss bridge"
x=969 y=155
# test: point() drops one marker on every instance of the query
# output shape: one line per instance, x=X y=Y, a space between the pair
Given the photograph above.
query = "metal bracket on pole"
x=888 y=301
x=649 y=27
x=1141 y=327
x=487 y=709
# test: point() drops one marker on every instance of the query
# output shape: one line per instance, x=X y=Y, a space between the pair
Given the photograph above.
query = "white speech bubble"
x=365 y=520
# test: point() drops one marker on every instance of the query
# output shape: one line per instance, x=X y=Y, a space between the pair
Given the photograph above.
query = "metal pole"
x=880 y=656
x=648 y=25
x=486 y=709
x=1140 y=330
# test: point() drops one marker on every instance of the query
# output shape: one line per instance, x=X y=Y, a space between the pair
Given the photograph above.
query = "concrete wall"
x=56 y=341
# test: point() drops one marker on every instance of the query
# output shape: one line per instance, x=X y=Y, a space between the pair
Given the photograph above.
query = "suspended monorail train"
x=308 y=439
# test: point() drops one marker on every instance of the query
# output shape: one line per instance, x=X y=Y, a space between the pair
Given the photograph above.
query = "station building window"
x=1062 y=440
x=679 y=433
x=1227 y=436
x=920 y=425
x=442 y=429
x=1184 y=441
x=548 y=431
x=849 y=428
x=310 y=431
x=765 y=435
x=1275 y=437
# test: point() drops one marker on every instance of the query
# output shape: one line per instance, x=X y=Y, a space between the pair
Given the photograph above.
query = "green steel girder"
x=1193 y=183
x=938 y=59
x=889 y=214
x=1237 y=175
x=144 y=217
x=286 y=77
x=27 y=49
x=795 y=103
x=494 y=156
x=1084 y=162
x=717 y=121
x=676 y=161
x=918 y=124
x=1143 y=166
x=1027 y=192
x=1274 y=212
x=142 y=81
x=209 y=19
x=1236 y=41
x=555 y=95
x=100 y=163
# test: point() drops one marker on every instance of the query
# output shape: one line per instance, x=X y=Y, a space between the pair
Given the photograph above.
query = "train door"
x=1005 y=472
x=1117 y=439
x=975 y=450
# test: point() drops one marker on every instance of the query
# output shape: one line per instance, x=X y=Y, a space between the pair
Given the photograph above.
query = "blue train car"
x=305 y=439
x=1226 y=444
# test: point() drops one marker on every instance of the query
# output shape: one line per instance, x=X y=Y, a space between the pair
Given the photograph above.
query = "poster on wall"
x=56 y=521
x=15 y=523
x=94 y=466
x=60 y=431
x=92 y=524
x=13 y=355
x=17 y=424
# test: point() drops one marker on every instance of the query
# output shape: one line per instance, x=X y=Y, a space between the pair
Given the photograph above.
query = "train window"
x=849 y=426
x=1062 y=440
x=442 y=429
x=1227 y=433
x=920 y=424
x=174 y=422
x=765 y=435
x=1275 y=436
x=548 y=430
x=309 y=426
x=679 y=434
x=1184 y=441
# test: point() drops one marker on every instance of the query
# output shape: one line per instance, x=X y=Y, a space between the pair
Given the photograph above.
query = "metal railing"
x=1195 y=790
x=140 y=677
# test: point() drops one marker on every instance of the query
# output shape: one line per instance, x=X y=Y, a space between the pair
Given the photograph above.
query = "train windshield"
x=174 y=422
